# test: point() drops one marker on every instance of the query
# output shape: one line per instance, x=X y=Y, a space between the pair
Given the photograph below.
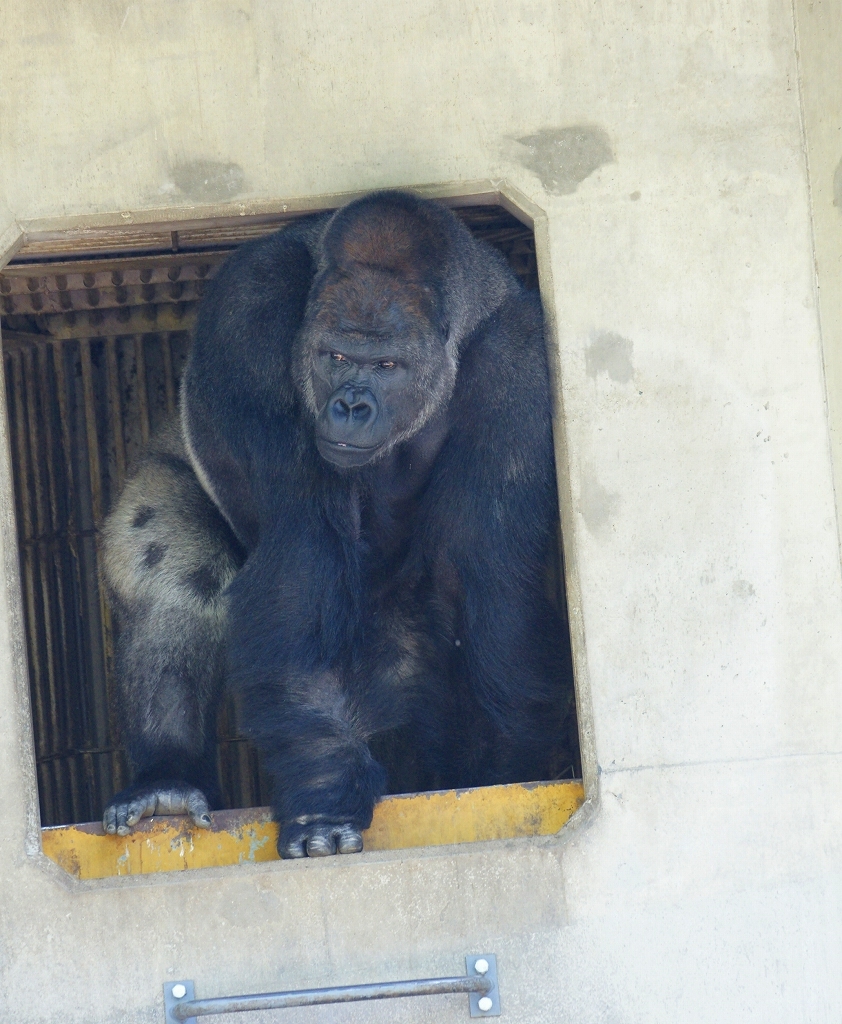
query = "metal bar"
x=169 y=379
x=319 y=996
x=116 y=414
x=74 y=490
x=42 y=524
x=89 y=405
x=141 y=387
x=51 y=549
x=60 y=707
x=480 y=984
x=100 y=649
x=15 y=389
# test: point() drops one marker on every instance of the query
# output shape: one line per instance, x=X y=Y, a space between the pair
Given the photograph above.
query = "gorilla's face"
x=371 y=365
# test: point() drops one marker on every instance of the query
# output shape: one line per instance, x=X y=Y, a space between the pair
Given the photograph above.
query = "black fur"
x=367 y=403
x=144 y=515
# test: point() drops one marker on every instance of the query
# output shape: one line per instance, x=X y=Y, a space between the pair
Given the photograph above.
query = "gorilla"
x=350 y=527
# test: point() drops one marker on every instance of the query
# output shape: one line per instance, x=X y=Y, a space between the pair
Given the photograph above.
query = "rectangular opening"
x=95 y=337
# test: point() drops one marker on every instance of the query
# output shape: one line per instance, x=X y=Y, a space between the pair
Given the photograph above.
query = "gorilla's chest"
x=383 y=526
x=384 y=505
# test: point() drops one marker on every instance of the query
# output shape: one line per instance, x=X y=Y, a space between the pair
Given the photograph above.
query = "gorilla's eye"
x=337 y=357
x=387 y=364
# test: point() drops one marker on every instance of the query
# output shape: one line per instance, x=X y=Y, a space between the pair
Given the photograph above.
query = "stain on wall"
x=744 y=589
x=598 y=506
x=564 y=157
x=611 y=354
x=209 y=180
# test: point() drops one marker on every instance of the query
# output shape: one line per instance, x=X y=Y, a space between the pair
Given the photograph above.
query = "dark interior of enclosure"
x=93 y=350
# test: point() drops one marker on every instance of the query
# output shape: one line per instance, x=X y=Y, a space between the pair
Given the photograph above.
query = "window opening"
x=93 y=350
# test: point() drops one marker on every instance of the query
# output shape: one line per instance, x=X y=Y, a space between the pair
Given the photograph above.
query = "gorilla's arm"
x=491 y=515
x=168 y=557
x=238 y=404
x=290 y=638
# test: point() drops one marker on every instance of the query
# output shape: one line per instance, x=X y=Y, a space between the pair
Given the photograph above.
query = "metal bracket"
x=177 y=993
x=477 y=968
x=479 y=984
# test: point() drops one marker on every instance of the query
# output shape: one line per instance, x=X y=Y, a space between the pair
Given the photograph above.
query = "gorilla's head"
x=377 y=353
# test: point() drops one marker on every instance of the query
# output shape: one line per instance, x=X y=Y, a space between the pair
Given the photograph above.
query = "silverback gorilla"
x=350 y=527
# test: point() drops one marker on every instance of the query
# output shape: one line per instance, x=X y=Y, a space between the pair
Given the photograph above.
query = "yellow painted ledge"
x=249 y=836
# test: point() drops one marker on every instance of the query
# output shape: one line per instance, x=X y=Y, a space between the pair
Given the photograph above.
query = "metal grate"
x=93 y=352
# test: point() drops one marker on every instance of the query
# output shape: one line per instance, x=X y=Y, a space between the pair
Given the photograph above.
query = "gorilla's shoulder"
x=255 y=270
x=507 y=350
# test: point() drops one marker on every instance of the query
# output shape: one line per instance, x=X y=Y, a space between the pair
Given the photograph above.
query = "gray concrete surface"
x=663 y=149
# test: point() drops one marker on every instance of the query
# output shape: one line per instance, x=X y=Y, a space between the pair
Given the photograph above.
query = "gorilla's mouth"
x=340 y=453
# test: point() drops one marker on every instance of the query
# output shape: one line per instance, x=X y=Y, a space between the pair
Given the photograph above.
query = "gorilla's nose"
x=353 y=407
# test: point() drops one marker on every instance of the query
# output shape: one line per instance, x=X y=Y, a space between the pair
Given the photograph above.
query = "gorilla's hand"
x=318 y=838
x=171 y=796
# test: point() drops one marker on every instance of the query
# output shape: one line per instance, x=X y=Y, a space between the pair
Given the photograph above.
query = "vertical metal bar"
x=260 y=777
x=179 y=347
x=246 y=787
x=116 y=412
x=92 y=575
x=169 y=379
x=90 y=429
x=97 y=508
x=20 y=458
x=61 y=352
x=67 y=678
x=71 y=526
x=58 y=704
x=140 y=383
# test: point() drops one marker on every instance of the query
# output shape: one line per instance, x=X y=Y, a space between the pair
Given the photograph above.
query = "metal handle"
x=480 y=984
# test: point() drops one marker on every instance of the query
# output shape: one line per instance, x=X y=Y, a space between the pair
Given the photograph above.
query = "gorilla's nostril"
x=340 y=410
x=361 y=412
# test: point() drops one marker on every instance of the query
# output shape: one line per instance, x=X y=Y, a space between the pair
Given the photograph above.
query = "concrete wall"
x=664 y=142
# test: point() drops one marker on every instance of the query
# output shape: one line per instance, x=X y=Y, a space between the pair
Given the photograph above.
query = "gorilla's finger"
x=293 y=849
x=348 y=839
x=198 y=809
x=109 y=819
x=322 y=841
x=143 y=806
x=123 y=827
